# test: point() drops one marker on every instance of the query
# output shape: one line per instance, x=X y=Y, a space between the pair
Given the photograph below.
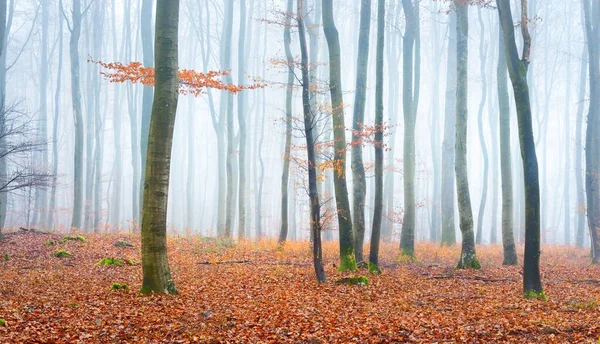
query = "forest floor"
x=258 y=293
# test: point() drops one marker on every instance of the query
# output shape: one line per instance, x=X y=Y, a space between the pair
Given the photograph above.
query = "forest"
x=299 y=171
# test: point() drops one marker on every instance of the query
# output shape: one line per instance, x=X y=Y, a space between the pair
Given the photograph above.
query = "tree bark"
x=358 y=119
x=378 y=206
x=155 y=267
x=517 y=69
x=347 y=261
x=242 y=122
x=148 y=93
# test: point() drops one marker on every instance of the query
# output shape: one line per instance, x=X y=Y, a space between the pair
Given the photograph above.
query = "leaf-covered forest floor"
x=258 y=293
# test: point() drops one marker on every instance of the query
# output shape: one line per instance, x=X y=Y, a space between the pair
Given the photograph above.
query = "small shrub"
x=62 y=254
x=2 y=322
x=74 y=238
x=119 y=286
x=114 y=261
x=6 y=257
x=50 y=242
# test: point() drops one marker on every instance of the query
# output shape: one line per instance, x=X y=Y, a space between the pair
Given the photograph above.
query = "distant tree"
x=517 y=69
x=347 y=260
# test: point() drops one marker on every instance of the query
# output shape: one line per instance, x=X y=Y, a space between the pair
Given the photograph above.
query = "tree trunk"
x=508 y=238
x=77 y=116
x=347 y=261
x=148 y=93
x=378 y=206
x=486 y=162
x=242 y=122
x=228 y=107
x=358 y=119
x=468 y=257
x=592 y=141
x=287 y=38
x=117 y=177
x=155 y=267
x=410 y=90
x=315 y=207
x=98 y=37
x=517 y=68
x=579 y=145
x=448 y=144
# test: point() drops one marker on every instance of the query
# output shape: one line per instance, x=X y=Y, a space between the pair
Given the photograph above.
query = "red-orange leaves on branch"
x=190 y=81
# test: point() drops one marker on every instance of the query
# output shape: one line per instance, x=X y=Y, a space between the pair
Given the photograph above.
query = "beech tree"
x=517 y=69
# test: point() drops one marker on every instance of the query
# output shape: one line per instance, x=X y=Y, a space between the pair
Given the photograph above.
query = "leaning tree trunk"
x=347 y=261
x=508 y=238
x=410 y=90
x=155 y=267
x=468 y=258
x=315 y=207
x=358 y=170
x=287 y=39
x=77 y=116
x=378 y=211
x=517 y=68
x=448 y=143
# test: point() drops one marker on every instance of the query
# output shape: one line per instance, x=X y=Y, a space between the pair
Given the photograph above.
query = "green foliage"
x=374 y=269
x=123 y=244
x=114 y=261
x=6 y=257
x=534 y=294
x=2 y=322
x=74 y=238
x=73 y=304
x=62 y=254
x=347 y=263
x=361 y=280
x=50 y=242
x=119 y=286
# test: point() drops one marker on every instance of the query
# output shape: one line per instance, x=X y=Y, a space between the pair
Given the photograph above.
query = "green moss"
x=6 y=257
x=145 y=290
x=50 y=242
x=347 y=263
x=2 y=322
x=62 y=254
x=73 y=304
x=534 y=294
x=119 y=286
x=362 y=280
x=114 y=261
x=466 y=263
x=74 y=238
x=374 y=269
x=123 y=244
x=406 y=257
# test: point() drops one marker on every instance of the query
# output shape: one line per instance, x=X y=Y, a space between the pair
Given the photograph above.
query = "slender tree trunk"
x=147 y=95
x=579 y=145
x=358 y=170
x=567 y=128
x=592 y=141
x=434 y=232
x=59 y=69
x=508 y=238
x=517 y=68
x=98 y=36
x=468 y=257
x=315 y=207
x=347 y=261
x=115 y=214
x=448 y=144
x=77 y=116
x=228 y=107
x=242 y=122
x=287 y=38
x=155 y=267
x=486 y=163
x=378 y=206
x=410 y=91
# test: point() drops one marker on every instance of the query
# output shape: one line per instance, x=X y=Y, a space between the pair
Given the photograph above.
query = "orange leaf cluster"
x=190 y=81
